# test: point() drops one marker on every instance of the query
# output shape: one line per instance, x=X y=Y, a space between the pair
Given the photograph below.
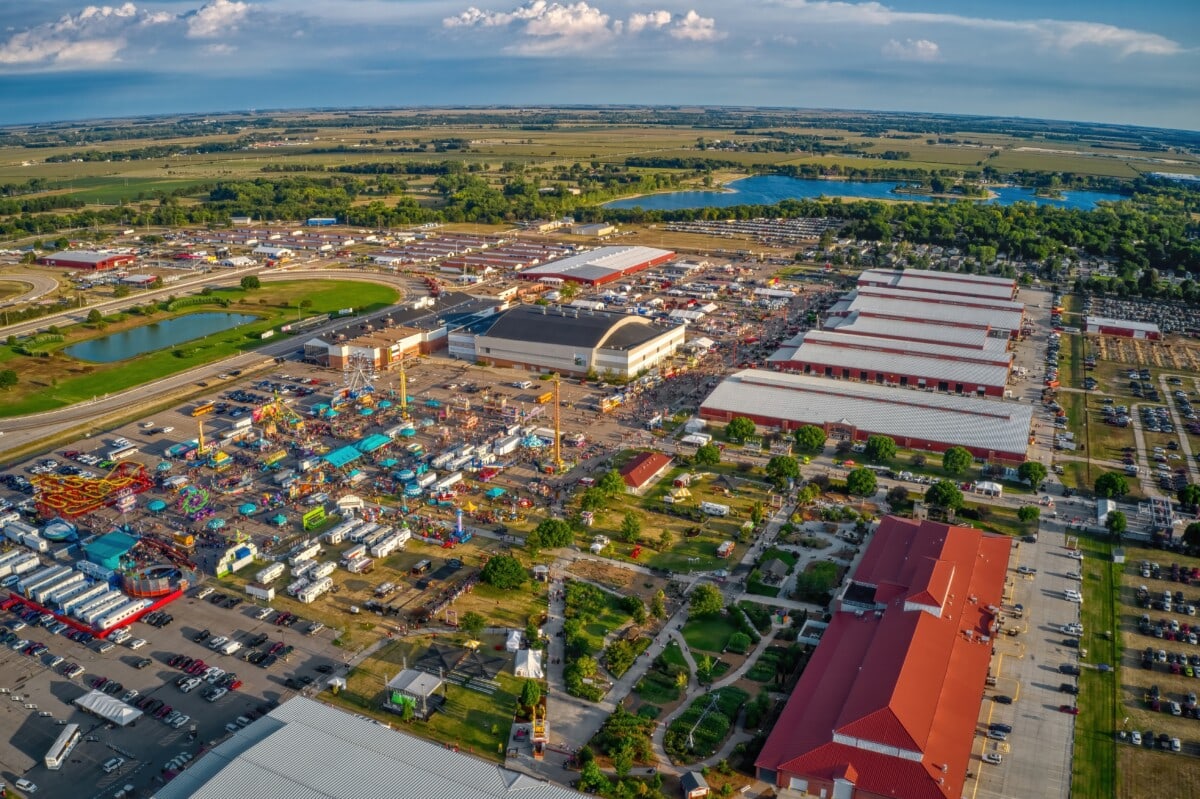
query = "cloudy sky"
x=1095 y=60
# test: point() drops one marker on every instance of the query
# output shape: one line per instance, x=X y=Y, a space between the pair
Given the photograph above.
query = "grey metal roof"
x=85 y=256
x=415 y=683
x=1130 y=324
x=573 y=327
x=968 y=337
x=599 y=263
x=897 y=412
x=996 y=355
x=982 y=285
x=306 y=750
x=930 y=311
x=933 y=294
x=930 y=368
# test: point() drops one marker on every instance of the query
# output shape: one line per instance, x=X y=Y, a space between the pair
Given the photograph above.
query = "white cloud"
x=554 y=27
x=95 y=35
x=912 y=50
x=652 y=20
x=694 y=28
x=215 y=19
x=1061 y=35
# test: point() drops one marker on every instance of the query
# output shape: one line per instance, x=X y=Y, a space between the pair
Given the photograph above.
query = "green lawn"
x=48 y=383
x=1094 y=771
x=708 y=634
x=673 y=655
x=475 y=721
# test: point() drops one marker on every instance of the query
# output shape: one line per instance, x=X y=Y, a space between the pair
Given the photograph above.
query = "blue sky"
x=1104 y=60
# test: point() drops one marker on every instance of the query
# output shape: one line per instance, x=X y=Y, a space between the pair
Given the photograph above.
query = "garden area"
x=701 y=729
x=590 y=615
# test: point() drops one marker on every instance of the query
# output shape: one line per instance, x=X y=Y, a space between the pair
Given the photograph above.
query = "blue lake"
x=771 y=189
x=156 y=336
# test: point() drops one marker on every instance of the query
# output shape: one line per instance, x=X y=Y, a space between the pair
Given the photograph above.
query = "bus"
x=121 y=453
x=61 y=750
x=203 y=408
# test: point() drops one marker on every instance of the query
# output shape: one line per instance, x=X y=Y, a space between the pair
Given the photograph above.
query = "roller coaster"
x=72 y=496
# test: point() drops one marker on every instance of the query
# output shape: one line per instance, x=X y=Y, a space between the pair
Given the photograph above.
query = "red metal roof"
x=643 y=468
x=907 y=680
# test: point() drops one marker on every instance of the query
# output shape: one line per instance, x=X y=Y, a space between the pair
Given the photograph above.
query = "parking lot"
x=147 y=745
x=1029 y=668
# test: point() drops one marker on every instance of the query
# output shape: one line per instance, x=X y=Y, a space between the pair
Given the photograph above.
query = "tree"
x=592 y=779
x=1191 y=536
x=1110 y=485
x=631 y=527
x=8 y=378
x=612 y=483
x=593 y=498
x=739 y=428
x=531 y=694
x=782 y=467
x=758 y=512
x=408 y=711
x=706 y=600
x=956 y=460
x=817 y=580
x=1028 y=514
x=250 y=282
x=472 y=624
x=861 y=482
x=1189 y=496
x=945 y=495
x=1116 y=522
x=622 y=761
x=658 y=605
x=897 y=496
x=708 y=455
x=1032 y=472
x=880 y=448
x=810 y=438
x=554 y=533
x=503 y=571
x=121 y=291
x=94 y=317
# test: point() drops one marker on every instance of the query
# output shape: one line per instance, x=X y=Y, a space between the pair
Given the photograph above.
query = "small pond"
x=156 y=336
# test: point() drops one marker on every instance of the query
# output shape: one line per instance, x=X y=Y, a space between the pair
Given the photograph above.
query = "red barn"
x=643 y=470
x=889 y=704
x=87 y=259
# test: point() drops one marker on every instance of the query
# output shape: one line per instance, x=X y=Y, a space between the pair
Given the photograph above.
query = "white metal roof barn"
x=915 y=419
x=306 y=750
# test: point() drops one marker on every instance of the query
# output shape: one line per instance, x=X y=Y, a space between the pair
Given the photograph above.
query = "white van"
x=1073 y=595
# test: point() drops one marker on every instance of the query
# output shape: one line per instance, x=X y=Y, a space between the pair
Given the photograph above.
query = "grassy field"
x=708 y=634
x=1094 y=771
x=475 y=722
x=60 y=380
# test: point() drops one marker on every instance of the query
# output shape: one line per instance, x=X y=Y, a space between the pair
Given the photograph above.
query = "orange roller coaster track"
x=71 y=496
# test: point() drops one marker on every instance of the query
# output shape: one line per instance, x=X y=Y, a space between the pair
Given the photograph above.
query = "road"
x=23 y=430
x=39 y=286
x=1037 y=756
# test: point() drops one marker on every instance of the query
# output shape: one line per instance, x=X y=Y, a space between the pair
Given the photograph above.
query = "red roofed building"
x=888 y=705
x=643 y=470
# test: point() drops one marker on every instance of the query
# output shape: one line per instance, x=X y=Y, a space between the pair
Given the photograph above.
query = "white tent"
x=529 y=664
x=108 y=708
x=514 y=641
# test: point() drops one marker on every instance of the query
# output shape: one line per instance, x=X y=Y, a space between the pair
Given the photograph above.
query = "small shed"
x=529 y=664
x=693 y=785
x=416 y=688
x=773 y=571
x=513 y=642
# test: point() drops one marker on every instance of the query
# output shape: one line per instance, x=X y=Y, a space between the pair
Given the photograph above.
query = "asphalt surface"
x=147 y=744
x=39 y=286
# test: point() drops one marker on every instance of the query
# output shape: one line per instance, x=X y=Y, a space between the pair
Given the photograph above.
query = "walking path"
x=695 y=690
